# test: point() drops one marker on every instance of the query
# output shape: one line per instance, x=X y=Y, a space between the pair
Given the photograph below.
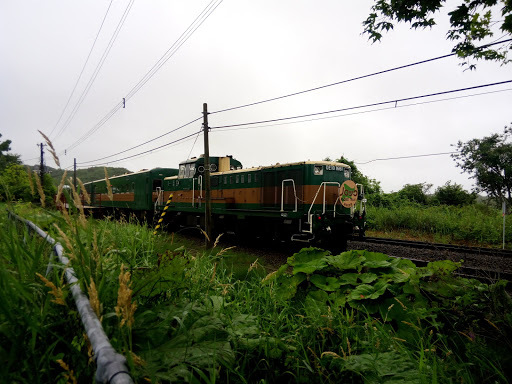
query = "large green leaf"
x=379 y=368
x=286 y=285
x=329 y=284
x=346 y=260
x=308 y=260
x=376 y=260
x=349 y=278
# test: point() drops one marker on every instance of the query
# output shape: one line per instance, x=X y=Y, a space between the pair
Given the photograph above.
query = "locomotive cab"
x=194 y=167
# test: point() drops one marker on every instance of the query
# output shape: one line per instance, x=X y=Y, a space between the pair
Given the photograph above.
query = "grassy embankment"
x=185 y=316
x=476 y=225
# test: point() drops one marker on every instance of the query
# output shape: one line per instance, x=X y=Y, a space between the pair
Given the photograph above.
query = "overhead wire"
x=174 y=47
x=395 y=101
x=144 y=143
x=355 y=78
x=82 y=71
x=406 y=157
x=363 y=112
x=198 y=21
x=147 y=151
x=97 y=70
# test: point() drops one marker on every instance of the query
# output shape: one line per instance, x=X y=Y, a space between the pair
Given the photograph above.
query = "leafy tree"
x=415 y=192
x=371 y=186
x=7 y=158
x=14 y=183
x=454 y=194
x=489 y=161
x=88 y=174
x=470 y=22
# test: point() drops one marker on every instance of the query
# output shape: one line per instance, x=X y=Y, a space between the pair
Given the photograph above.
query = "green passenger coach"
x=138 y=191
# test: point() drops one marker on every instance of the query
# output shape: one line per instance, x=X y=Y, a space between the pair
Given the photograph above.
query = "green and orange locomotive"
x=310 y=201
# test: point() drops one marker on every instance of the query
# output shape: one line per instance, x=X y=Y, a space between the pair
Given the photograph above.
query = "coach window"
x=225 y=179
x=237 y=178
x=242 y=177
x=255 y=177
x=249 y=178
x=230 y=179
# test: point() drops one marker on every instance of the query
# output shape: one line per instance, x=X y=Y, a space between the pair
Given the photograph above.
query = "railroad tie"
x=163 y=214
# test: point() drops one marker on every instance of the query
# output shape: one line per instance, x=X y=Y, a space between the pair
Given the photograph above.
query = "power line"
x=174 y=47
x=407 y=157
x=354 y=78
x=395 y=101
x=146 y=142
x=149 y=150
x=97 y=69
x=83 y=68
x=96 y=127
x=370 y=111
x=199 y=20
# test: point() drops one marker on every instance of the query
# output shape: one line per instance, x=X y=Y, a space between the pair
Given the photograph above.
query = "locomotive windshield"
x=187 y=170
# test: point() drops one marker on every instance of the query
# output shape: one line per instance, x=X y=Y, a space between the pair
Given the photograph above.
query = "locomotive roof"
x=278 y=165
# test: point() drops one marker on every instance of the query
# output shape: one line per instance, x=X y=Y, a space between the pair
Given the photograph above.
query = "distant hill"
x=86 y=175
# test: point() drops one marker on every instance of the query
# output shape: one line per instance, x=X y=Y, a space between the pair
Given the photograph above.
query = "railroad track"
x=485 y=264
x=436 y=246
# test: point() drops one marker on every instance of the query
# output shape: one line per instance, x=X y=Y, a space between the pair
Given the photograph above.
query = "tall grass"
x=183 y=316
x=473 y=224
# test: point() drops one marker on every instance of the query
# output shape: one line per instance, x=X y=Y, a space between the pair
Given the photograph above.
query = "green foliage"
x=475 y=223
x=371 y=186
x=454 y=194
x=416 y=193
x=354 y=317
x=88 y=174
x=14 y=184
x=489 y=161
x=7 y=159
x=470 y=23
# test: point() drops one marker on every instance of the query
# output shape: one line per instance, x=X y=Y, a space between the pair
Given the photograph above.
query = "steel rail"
x=435 y=246
x=111 y=366
x=483 y=275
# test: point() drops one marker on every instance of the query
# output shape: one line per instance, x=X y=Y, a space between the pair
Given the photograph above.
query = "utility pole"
x=41 y=164
x=207 y=187
x=74 y=172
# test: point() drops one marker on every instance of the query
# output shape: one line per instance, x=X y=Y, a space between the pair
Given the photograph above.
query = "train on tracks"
x=310 y=201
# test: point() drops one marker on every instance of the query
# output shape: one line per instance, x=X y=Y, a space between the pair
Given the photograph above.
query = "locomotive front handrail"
x=111 y=366
x=294 y=193
x=310 y=215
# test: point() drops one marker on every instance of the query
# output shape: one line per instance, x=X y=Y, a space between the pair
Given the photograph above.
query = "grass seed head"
x=109 y=187
x=84 y=191
x=60 y=188
x=40 y=190
x=217 y=240
x=30 y=181
x=52 y=148
x=69 y=375
x=94 y=299
x=67 y=242
x=224 y=250
x=55 y=291
x=125 y=308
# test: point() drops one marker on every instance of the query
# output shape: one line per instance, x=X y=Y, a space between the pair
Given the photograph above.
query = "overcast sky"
x=245 y=51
